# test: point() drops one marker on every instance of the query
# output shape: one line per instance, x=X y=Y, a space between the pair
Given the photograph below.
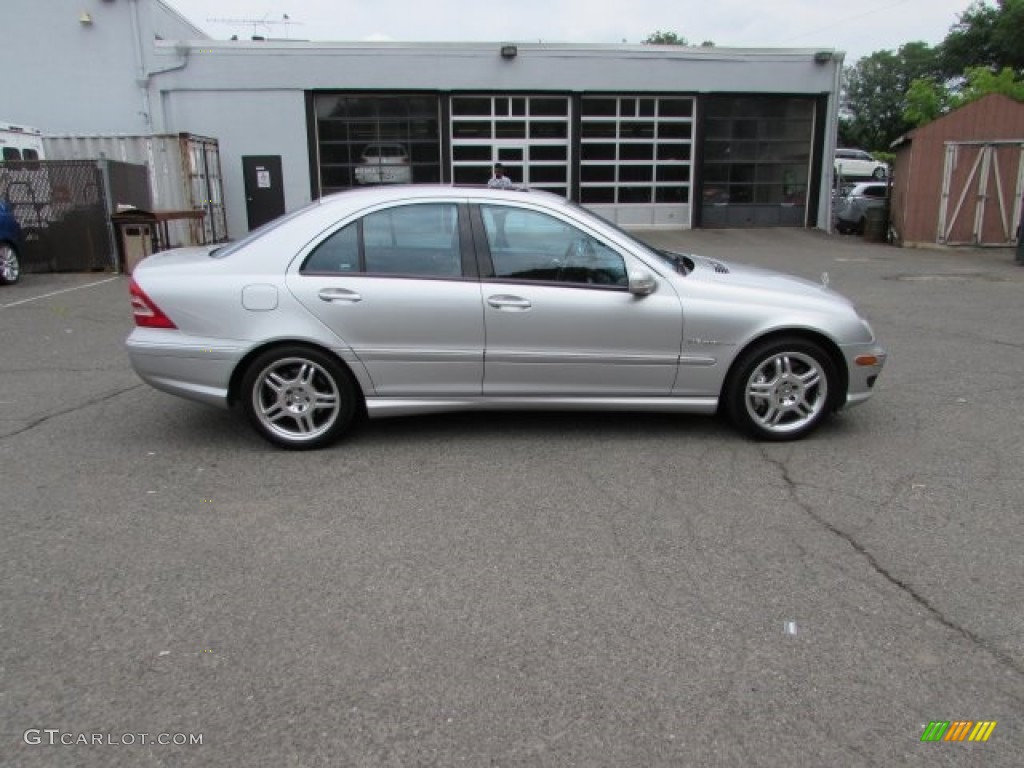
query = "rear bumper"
x=188 y=366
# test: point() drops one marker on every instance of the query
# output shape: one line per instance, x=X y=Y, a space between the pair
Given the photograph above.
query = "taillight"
x=147 y=314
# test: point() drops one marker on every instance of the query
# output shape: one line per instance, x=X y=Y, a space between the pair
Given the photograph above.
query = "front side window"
x=409 y=240
x=527 y=245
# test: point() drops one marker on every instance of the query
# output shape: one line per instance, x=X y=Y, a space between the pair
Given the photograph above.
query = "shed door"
x=982 y=186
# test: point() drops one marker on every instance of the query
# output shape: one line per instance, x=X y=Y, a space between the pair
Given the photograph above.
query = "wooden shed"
x=960 y=179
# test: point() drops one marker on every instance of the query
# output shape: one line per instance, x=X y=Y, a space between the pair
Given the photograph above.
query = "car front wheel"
x=879 y=173
x=781 y=389
x=298 y=397
x=10 y=267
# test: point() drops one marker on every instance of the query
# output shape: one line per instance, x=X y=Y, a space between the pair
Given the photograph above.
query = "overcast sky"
x=859 y=28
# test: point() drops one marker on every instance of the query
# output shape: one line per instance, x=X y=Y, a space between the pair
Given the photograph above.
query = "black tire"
x=298 y=397
x=781 y=389
x=10 y=265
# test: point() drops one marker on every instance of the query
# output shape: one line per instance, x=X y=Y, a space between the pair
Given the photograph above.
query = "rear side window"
x=408 y=240
x=11 y=155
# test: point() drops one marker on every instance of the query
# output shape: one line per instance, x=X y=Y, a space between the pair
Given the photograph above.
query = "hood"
x=759 y=279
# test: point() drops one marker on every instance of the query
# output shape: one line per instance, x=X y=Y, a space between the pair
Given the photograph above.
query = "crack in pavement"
x=793 y=486
x=94 y=401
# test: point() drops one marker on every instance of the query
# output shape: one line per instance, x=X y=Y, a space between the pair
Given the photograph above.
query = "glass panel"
x=679 y=173
x=462 y=152
x=526 y=245
x=551 y=174
x=627 y=107
x=597 y=173
x=635 y=130
x=599 y=107
x=462 y=105
x=501 y=107
x=597 y=194
x=636 y=152
x=636 y=173
x=675 y=130
x=646 y=108
x=549 y=153
x=674 y=151
x=338 y=254
x=518 y=107
x=597 y=151
x=675 y=107
x=549 y=107
x=419 y=240
x=546 y=130
x=471 y=174
x=465 y=129
x=675 y=195
x=510 y=154
x=590 y=130
x=634 y=194
x=510 y=129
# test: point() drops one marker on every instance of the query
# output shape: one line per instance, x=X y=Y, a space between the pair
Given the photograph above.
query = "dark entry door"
x=264 y=190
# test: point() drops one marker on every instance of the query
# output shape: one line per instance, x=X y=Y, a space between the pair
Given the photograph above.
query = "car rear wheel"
x=298 y=397
x=10 y=267
x=879 y=173
x=781 y=389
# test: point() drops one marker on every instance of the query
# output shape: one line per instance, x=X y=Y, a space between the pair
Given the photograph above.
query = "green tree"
x=928 y=99
x=985 y=35
x=874 y=94
x=665 y=38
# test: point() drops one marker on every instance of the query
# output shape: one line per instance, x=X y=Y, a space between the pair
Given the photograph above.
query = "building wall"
x=139 y=67
x=919 y=166
x=273 y=124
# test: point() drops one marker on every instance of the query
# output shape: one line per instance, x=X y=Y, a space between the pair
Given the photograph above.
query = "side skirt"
x=383 y=407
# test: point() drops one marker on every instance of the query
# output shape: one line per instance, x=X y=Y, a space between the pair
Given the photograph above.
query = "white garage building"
x=650 y=136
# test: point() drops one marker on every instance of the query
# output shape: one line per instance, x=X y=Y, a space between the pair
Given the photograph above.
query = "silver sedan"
x=389 y=301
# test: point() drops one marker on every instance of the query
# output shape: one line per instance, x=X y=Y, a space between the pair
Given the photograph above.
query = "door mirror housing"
x=642 y=283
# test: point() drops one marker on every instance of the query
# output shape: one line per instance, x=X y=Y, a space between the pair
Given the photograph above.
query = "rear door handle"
x=515 y=303
x=339 y=296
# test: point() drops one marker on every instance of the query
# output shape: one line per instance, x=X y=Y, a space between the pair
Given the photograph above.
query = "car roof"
x=360 y=197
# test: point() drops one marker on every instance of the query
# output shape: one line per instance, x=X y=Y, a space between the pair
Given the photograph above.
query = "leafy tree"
x=985 y=35
x=928 y=99
x=665 y=38
x=873 y=98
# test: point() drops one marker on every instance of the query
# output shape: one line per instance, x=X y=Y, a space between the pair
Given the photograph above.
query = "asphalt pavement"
x=521 y=590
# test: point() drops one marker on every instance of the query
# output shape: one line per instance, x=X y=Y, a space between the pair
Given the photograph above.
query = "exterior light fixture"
x=85 y=19
x=509 y=51
x=823 y=57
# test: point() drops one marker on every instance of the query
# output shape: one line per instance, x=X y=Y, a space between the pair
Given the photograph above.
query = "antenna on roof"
x=265 y=22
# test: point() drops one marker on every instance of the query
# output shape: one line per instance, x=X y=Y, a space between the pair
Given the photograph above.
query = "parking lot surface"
x=521 y=590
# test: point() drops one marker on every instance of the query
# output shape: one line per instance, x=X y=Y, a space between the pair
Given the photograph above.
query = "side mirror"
x=642 y=283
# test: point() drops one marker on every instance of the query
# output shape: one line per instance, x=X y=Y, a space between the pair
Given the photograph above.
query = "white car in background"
x=856 y=163
x=384 y=164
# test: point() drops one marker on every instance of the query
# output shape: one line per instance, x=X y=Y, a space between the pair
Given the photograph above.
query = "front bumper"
x=864 y=362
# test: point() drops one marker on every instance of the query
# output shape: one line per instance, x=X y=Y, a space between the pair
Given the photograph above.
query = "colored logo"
x=958 y=730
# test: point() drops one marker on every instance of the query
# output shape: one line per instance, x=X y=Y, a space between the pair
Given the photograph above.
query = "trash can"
x=876 y=224
x=136 y=234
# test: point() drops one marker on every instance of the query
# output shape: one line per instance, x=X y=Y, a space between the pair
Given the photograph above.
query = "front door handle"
x=339 y=296
x=516 y=303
